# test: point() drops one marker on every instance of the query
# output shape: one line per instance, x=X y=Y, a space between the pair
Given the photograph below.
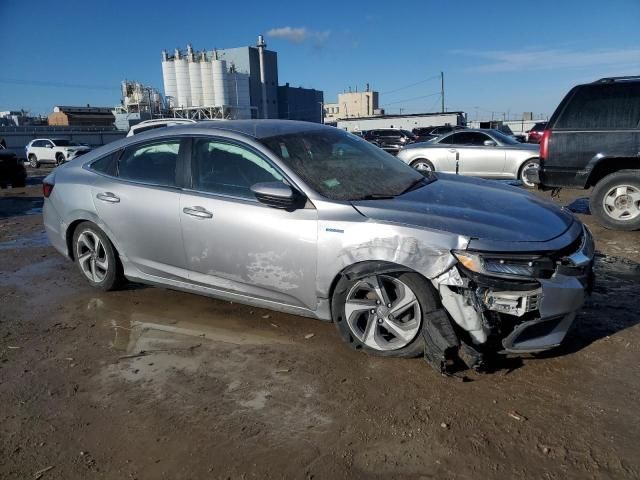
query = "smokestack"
x=263 y=82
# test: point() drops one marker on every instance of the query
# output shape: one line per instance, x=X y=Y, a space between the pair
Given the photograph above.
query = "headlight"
x=519 y=266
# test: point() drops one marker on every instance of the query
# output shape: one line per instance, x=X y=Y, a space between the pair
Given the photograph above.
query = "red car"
x=535 y=134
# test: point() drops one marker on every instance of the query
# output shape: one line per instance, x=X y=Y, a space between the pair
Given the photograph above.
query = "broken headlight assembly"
x=511 y=266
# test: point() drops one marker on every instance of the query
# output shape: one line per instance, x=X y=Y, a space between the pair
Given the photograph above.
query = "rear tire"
x=33 y=161
x=423 y=165
x=615 y=200
x=382 y=333
x=532 y=163
x=96 y=257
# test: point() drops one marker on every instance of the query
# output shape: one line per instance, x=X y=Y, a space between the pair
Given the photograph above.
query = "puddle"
x=33 y=240
x=20 y=205
x=580 y=205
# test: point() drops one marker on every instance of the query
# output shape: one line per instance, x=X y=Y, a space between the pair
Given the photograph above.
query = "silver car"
x=475 y=153
x=311 y=220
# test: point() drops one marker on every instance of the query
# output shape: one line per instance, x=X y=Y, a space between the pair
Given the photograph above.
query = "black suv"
x=593 y=140
x=425 y=134
x=390 y=139
x=12 y=169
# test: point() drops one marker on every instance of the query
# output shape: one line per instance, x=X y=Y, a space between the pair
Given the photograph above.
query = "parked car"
x=475 y=153
x=147 y=125
x=425 y=134
x=593 y=140
x=12 y=170
x=308 y=219
x=56 y=151
x=535 y=133
x=391 y=140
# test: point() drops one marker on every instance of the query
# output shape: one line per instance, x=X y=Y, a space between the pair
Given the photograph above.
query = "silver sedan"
x=475 y=153
x=311 y=220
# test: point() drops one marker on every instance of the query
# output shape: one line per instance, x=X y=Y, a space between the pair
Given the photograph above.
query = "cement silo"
x=220 y=84
x=169 y=79
x=182 y=81
x=195 y=81
x=206 y=75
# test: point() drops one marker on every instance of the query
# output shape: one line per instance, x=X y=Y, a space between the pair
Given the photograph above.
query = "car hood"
x=478 y=209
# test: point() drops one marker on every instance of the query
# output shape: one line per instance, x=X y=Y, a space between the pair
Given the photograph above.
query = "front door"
x=476 y=159
x=233 y=242
x=138 y=201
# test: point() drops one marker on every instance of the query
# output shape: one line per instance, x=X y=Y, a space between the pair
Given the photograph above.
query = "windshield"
x=340 y=166
x=64 y=143
x=507 y=140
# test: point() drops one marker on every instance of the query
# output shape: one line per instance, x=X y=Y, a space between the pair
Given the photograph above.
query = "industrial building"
x=230 y=83
x=81 y=116
x=353 y=105
x=297 y=103
x=405 y=122
x=139 y=102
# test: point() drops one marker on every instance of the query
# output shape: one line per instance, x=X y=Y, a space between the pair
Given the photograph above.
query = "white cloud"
x=298 y=34
x=551 y=59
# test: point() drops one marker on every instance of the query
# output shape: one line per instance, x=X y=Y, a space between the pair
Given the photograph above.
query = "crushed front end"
x=513 y=302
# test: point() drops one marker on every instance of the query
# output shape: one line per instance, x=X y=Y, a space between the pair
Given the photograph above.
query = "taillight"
x=544 y=145
x=47 y=188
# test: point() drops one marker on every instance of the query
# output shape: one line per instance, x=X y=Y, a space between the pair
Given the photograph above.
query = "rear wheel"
x=33 y=161
x=615 y=200
x=96 y=258
x=423 y=165
x=529 y=164
x=383 y=314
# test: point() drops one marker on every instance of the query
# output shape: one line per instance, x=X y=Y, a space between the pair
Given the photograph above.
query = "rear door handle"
x=108 y=197
x=198 y=212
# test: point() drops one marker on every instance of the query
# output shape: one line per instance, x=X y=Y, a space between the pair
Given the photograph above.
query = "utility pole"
x=442 y=89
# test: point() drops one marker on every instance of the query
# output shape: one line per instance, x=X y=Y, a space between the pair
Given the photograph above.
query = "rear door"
x=233 y=242
x=137 y=197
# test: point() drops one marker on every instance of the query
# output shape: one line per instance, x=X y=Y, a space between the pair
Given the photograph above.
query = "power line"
x=411 y=85
x=410 y=99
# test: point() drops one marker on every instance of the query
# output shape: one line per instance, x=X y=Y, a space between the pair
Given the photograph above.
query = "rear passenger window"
x=107 y=165
x=602 y=106
x=228 y=169
x=151 y=163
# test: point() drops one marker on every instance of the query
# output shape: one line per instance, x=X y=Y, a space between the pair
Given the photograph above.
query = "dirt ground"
x=150 y=383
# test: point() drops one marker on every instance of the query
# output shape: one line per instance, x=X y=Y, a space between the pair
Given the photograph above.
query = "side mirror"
x=278 y=195
x=489 y=143
x=48 y=145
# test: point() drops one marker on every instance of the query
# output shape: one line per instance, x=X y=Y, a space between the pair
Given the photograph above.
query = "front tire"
x=533 y=163
x=33 y=161
x=615 y=201
x=96 y=258
x=383 y=314
x=59 y=159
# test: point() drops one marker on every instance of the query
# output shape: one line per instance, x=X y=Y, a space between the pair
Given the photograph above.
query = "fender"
x=605 y=164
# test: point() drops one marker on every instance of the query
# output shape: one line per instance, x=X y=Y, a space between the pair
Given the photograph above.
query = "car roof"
x=253 y=128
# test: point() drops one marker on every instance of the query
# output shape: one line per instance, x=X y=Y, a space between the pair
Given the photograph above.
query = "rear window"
x=602 y=106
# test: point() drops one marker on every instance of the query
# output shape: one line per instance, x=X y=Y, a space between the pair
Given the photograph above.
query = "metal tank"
x=220 y=86
x=169 y=79
x=182 y=80
x=206 y=76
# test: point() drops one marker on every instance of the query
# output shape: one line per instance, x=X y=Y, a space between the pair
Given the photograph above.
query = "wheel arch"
x=601 y=166
x=524 y=162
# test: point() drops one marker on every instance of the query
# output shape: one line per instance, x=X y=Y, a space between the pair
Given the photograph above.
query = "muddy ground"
x=149 y=383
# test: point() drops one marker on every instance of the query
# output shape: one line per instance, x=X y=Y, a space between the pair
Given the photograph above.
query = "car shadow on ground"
x=15 y=206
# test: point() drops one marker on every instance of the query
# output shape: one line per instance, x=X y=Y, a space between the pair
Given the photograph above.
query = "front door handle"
x=452 y=150
x=198 y=212
x=108 y=197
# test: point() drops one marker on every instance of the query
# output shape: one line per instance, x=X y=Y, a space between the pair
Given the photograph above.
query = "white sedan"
x=475 y=153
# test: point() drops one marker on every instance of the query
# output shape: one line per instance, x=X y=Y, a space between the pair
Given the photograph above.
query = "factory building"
x=296 y=103
x=353 y=105
x=81 y=116
x=226 y=83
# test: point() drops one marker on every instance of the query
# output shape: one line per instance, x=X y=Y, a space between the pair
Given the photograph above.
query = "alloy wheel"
x=422 y=166
x=383 y=313
x=92 y=256
x=622 y=202
x=523 y=176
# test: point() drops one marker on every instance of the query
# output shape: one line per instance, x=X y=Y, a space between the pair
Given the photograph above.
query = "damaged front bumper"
x=518 y=315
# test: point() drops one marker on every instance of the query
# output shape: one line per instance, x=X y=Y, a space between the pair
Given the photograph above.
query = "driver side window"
x=228 y=169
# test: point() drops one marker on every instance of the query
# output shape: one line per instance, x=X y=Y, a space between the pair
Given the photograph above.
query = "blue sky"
x=497 y=56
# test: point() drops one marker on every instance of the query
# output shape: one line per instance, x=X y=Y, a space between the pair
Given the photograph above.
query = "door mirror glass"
x=489 y=143
x=277 y=195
